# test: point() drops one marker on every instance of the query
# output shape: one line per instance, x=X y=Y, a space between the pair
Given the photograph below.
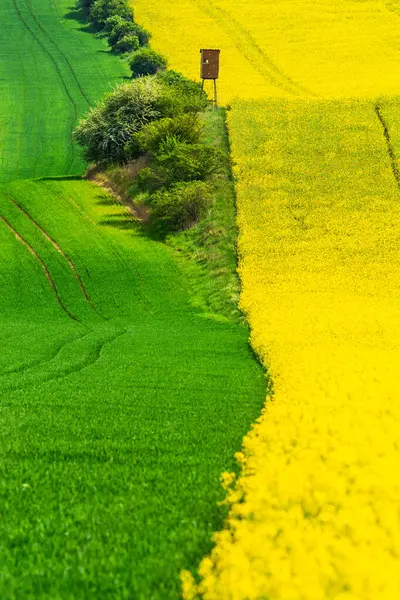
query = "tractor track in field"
x=95 y=355
x=17 y=169
x=134 y=271
x=38 y=150
x=390 y=147
x=76 y=38
x=92 y=358
x=49 y=278
x=58 y=248
x=61 y=79
x=249 y=48
x=64 y=57
x=36 y=363
x=42 y=119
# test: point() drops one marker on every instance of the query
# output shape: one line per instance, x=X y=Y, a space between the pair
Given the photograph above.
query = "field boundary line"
x=36 y=363
x=58 y=248
x=92 y=358
x=52 y=42
x=43 y=265
x=77 y=38
x=390 y=147
x=133 y=270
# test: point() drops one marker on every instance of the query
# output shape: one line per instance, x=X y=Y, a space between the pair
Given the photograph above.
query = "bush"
x=179 y=207
x=142 y=34
x=186 y=93
x=129 y=43
x=105 y=131
x=150 y=180
x=185 y=128
x=86 y=4
x=177 y=81
x=180 y=162
x=147 y=62
x=113 y=22
x=177 y=161
x=102 y=10
x=120 y=29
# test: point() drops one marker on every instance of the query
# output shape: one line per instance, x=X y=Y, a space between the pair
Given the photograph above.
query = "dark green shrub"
x=104 y=132
x=180 y=207
x=185 y=128
x=180 y=162
x=142 y=34
x=101 y=10
x=86 y=4
x=129 y=43
x=179 y=82
x=151 y=179
x=147 y=62
x=187 y=162
x=112 y=22
x=187 y=93
x=120 y=30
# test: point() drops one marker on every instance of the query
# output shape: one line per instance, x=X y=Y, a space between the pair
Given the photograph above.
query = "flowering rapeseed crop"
x=319 y=220
x=274 y=47
x=315 y=512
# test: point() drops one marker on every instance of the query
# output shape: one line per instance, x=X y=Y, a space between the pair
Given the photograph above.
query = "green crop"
x=121 y=404
x=51 y=72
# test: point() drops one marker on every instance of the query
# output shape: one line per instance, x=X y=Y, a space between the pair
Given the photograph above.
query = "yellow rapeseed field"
x=282 y=47
x=315 y=132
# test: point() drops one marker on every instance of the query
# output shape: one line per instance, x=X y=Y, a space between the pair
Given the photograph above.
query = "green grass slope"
x=120 y=403
x=51 y=71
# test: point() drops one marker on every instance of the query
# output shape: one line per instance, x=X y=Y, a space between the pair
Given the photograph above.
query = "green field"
x=51 y=71
x=121 y=402
x=121 y=405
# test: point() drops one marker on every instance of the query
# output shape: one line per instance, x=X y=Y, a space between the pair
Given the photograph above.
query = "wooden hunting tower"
x=209 y=68
x=209 y=64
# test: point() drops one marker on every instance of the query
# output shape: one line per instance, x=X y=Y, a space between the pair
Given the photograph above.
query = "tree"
x=129 y=43
x=105 y=131
x=120 y=30
x=147 y=62
x=101 y=10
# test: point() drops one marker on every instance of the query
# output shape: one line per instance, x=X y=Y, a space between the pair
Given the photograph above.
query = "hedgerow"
x=179 y=207
x=176 y=161
x=185 y=128
x=121 y=127
x=106 y=129
x=101 y=10
x=115 y=19
x=147 y=62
